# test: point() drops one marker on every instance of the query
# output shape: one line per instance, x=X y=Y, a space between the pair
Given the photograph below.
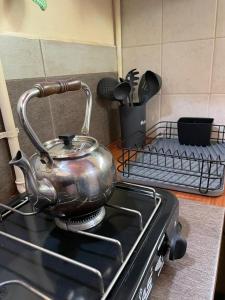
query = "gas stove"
x=118 y=258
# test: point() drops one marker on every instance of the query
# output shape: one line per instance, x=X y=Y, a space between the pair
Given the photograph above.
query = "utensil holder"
x=133 y=125
x=194 y=131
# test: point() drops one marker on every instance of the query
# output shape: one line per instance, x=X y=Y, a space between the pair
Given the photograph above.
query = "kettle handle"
x=46 y=89
x=50 y=88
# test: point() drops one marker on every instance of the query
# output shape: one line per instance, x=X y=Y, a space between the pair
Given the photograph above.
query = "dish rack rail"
x=163 y=162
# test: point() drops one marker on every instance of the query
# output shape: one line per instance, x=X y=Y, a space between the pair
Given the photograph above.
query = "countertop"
x=194 y=276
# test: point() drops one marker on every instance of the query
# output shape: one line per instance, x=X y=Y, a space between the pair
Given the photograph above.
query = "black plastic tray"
x=194 y=131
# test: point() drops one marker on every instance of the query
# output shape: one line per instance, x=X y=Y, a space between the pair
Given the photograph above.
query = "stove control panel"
x=146 y=287
x=152 y=270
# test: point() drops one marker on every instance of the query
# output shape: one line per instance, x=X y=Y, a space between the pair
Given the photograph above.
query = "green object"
x=42 y=4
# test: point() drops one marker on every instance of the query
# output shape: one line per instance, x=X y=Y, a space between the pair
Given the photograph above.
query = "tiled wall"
x=184 y=42
x=32 y=58
x=26 y=62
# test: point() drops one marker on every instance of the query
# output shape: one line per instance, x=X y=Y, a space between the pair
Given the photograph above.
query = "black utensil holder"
x=194 y=131
x=133 y=125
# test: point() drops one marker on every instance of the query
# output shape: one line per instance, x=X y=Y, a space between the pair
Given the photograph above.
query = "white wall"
x=83 y=21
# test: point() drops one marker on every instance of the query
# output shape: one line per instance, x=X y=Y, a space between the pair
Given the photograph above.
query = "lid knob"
x=67 y=139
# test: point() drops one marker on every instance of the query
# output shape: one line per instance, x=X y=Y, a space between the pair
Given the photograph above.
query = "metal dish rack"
x=164 y=163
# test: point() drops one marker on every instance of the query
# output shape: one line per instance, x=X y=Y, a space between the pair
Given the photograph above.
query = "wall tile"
x=187 y=67
x=175 y=106
x=188 y=20
x=220 y=26
x=143 y=58
x=141 y=22
x=153 y=111
x=21 y=58
x=218 y=76
x=62 y=58
x=217 y=108
x=38 y=113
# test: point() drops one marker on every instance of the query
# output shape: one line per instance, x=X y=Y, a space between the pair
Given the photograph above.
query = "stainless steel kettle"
x=71 y=175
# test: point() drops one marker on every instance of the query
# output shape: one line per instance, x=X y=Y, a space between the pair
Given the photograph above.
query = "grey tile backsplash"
x=57 y=114
x=32 y=58
x=61 y=58
x=21 y=57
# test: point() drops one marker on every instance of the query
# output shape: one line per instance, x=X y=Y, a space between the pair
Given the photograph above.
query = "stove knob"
x=178 y=247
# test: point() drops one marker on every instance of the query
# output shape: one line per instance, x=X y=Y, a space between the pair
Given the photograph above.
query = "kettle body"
x=82 y=185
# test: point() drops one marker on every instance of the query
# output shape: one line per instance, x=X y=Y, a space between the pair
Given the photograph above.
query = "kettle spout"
x=41 y=191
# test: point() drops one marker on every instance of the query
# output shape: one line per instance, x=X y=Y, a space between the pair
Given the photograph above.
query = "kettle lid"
x=71 y=146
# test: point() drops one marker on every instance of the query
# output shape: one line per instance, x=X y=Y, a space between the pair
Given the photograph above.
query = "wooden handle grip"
x=50 y=88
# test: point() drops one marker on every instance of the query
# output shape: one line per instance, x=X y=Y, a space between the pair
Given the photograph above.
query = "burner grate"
x=95 y=273
x=5 y=284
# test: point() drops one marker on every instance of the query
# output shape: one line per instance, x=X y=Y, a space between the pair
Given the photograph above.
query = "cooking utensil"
x=110 y=89
x=71 y=175
x=122 y=91
x=106 y=87
x=132 y=78
x=149 y=85
x=128 y=97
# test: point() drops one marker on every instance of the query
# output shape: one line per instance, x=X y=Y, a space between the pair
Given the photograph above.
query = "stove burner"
x=82 y=223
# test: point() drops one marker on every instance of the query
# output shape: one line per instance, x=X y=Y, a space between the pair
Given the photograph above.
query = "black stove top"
x=106 y=262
